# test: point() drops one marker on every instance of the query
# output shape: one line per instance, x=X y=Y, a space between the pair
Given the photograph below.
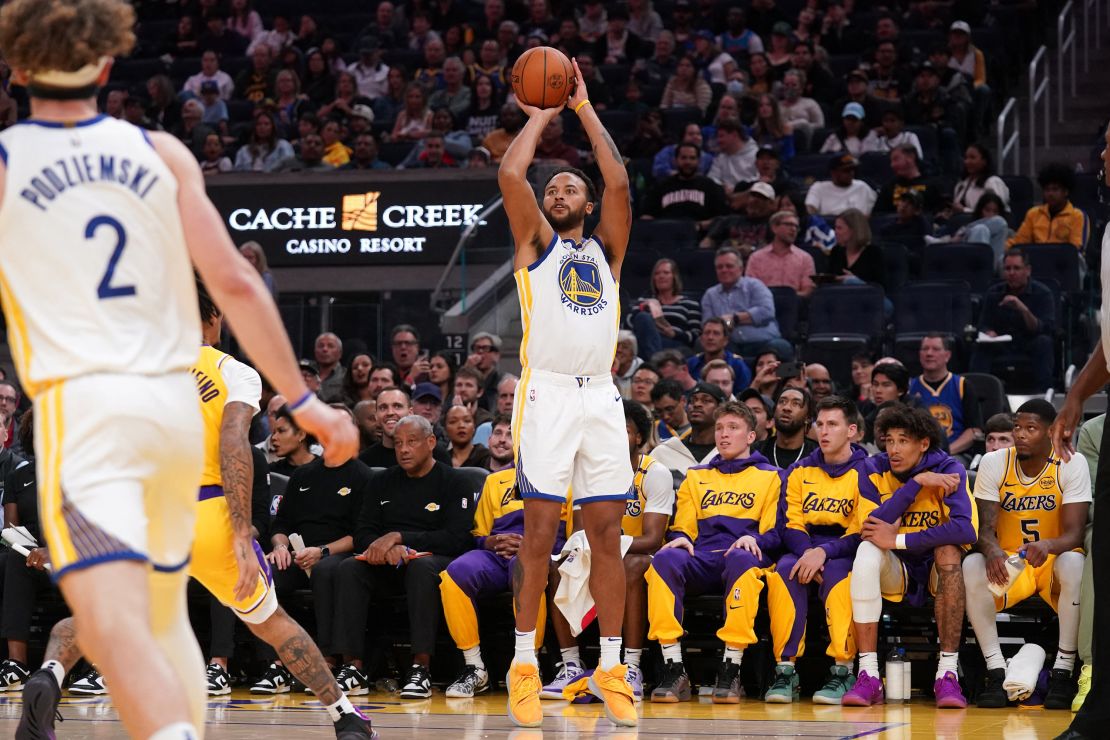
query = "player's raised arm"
x=243 y=297
x=616 y=203
x=531 y=231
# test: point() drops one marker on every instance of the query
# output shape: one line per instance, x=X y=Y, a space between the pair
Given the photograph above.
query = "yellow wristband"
x=579 y=106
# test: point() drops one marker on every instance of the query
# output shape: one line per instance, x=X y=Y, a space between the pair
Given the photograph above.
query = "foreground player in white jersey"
x=101 y=309
x=569 y=426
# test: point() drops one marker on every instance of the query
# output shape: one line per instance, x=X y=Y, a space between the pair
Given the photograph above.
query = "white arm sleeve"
x=658 y=490
x=243 y=383
x=1075 y=480
x=992 y=471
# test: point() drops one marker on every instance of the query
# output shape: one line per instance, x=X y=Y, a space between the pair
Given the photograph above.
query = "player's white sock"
x=473 y=656
x=672 y=653
x=571 y=655
x=57 y=669
x=948 y=663
x=632 y=656
x=610 y=653
x=733 y=655
x=1065 y=660
x=869 y=664
x=526 y=647
x=341 y=707
x=176 y=731
x=980 y=610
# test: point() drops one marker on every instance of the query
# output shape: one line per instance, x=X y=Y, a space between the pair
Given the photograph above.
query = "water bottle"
x=1015 y=564
x=895 y=676
x=907 y=680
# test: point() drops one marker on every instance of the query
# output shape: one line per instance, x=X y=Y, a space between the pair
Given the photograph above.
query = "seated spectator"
x=25 y=578
x=420 y=506
x=356 y=381
x=346 y=97
x=780 y=55
x=668 y=401
x=892 y=134
x=626 y=360
x=695 y=446
x=862 y=365
x=686 y=89
x=459 y=425
x=633 y=99
x=909 y=226
x=780 y=263
x=849 y=136
x=714 y=65
x=264 y=149
x=855 y=259
x=256 y=83
x=661 y=66
x=801 y=113
x=551 y=147
x=765 y=378
x=310 y=159
x=415 y=120
x=746 y=304
x=370 y=72
x=389 y=105
x=643 y=381
x=213 y=161
x=1057 y=221
x=291 y=445
x=290 y=102
x=218 y=38
x=215 y=110
x=720 y=374
x=385 y=28
x=336 y=153
x=596 y=87
x=750 y=229
x=761 y=78
x=430 y=76
x=454 y=94
x=647 y=138
x=978 y=178
x=817 y=375
x=210 y=72
x=667 y=318
x=276 y=39
x=966 y=58
x=929 y=105
x=192 y=131
x=643 y=21
x=480 y=119
x=183 y=41
x=795 y=409
x=319 y=504
x=768 y=167
x=393 y=404
x=737 y=39
x=907 y=176
x=664 y=164
x=945 y=395
x=772 y=130
x=434 y=154
x=252 y=253
x=497 y=143
x=841 y=191
x=735 y=163
x=309 y=35
x=889 y=80
x=672 y=366
x=365 y=155
x=763 y=409
x=858 y=86
x=1023 y=309
x=490 y=64
x=989 y=226
x=686 y=194
x=714 y=342
x=469 y=384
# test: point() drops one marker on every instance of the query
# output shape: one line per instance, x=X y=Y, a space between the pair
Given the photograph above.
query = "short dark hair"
x=849 y=409
x=649 y=367
x=208 y=308
x=735 y=408
x=915 y=422
x=285 y=413
x=1040 y=408
x=687 y=145
x=401 y=328
x=499 y=419
x=394 y=371
x=807 y=396
x=716 y=320
x=1057 y=173
x=398 y=388
x=731 y=125
x=896 y=373
x=1018 y=251
x=637 y=416
x=591 y=189
x=944 y=339
x=667 y=389
x=999 y=423
x=469 y=371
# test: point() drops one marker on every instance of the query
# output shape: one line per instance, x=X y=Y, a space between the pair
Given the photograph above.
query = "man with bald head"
x=416 y=519
x=819 y=380
x=328 y=351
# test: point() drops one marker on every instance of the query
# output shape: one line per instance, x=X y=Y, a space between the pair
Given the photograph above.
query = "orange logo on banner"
x=360 y=212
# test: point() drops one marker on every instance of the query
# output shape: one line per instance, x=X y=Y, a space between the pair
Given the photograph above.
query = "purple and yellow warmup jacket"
x=723 y=500
x=820 y=502
x=930 y=517
x=500 y=511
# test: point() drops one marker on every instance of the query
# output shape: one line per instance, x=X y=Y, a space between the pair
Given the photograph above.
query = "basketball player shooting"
x=568 y=424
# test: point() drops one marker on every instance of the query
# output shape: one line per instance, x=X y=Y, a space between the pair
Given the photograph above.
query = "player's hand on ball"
x=580 y=93
x=335 y=429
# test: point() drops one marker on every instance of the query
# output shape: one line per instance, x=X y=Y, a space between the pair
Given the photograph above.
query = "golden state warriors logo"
x=943 y=415
x=580 y=283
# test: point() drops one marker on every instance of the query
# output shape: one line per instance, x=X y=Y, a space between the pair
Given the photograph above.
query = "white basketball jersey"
x=570 y=309
x=93 y=266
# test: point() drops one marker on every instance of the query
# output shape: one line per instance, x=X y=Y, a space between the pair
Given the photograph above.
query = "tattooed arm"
x=237 y=472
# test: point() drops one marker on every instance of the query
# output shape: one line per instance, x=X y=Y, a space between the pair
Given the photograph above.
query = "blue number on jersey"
x=106 y=289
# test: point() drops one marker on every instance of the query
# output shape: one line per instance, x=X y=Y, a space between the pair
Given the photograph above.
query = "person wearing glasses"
x=485 y=354
x=404 y=341
x=9 y=405
x=780 y=263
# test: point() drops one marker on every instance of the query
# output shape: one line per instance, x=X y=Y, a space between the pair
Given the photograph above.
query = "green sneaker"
x=840 y=681
x=785 y=688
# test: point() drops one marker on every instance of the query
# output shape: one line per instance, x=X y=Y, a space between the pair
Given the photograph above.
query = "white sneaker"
x=569 y=672
x=219 y=681
x=275 y=680
x=472 y=682
x=91 y=684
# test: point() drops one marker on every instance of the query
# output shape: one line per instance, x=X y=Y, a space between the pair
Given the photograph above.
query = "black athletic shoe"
x=275 y=680
x=418 y=685
x=674 y=684
x=1061 y=689
x=992 y=695
x=13 y=675
x=353 y=727
x=41 y=694
x=219 y=681
x=726 y=689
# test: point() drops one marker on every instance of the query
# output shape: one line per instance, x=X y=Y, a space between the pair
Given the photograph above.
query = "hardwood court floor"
x=243 y=715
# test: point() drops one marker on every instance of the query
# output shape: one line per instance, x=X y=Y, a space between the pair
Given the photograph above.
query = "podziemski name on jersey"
x=815 y=503
x=66 y=174
x=744 y=500
x=1010 y=502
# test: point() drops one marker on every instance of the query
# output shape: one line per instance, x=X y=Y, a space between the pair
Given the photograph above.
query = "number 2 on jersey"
x=106 y=290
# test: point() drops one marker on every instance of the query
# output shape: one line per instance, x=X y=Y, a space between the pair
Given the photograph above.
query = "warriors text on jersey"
x=570 y=309
x=1029 y=507
x=95 y=274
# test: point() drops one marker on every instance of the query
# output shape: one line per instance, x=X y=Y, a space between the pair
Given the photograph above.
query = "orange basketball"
x=543 y=77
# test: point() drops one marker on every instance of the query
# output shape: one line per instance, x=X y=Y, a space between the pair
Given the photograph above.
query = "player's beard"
x=569 y=221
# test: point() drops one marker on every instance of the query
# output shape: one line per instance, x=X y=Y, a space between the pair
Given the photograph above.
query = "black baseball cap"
x=768 y=404
x=709 y=389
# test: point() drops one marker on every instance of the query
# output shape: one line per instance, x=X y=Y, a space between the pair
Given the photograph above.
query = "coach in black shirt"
x=420 y=506
x=320 y=504
x=686 y=194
